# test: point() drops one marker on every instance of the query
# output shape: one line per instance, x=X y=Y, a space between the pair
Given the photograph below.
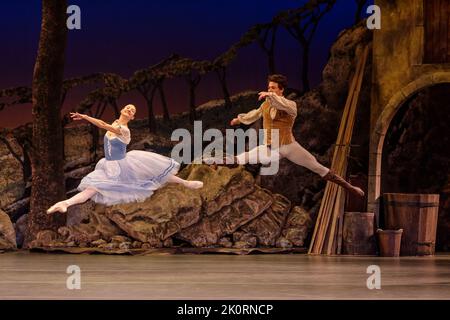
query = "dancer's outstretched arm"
x=280 y=102
x=97 y=122
x=247 y=118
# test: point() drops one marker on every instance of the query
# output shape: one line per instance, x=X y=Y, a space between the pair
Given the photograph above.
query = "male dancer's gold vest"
x=282 y=121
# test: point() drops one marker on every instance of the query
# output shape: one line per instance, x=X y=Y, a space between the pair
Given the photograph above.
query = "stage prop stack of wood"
x=327 y=236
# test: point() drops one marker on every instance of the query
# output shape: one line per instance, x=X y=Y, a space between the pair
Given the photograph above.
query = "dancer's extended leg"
x=81 y=197
x=299 y=155
x=261 y=154
x=187 y=183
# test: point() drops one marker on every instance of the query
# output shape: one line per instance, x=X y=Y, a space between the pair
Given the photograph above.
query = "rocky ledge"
x=231 y=213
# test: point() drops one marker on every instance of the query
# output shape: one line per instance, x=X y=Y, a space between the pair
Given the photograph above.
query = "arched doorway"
x=394 y=112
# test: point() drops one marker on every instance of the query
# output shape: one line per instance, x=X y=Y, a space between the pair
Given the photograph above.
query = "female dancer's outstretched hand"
x=76 y=116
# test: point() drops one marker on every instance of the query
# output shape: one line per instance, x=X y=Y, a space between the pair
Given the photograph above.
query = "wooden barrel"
x=417 y=215
x=358 y=233
x=389 y=242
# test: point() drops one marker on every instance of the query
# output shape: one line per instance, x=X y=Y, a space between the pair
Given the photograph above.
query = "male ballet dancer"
x=279 y=113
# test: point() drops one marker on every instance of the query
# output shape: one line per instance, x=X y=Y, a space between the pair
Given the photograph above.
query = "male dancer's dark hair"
x=278 y=78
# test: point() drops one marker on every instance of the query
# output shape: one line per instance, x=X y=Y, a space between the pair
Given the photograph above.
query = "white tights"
x=81 y=197
x=88 y=193
x=293 y=152
x=187 y=183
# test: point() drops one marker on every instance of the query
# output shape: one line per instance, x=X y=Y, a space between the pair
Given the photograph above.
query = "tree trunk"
x=305 y=69
x=47 y=148
x=359 y=7
x=193 y=81
x=116 y=108
x=271 y=53
x=95 y=132
x=166 y=115
x=221 y=73
x=192 y=113
x=272 y=69
x=151 y=114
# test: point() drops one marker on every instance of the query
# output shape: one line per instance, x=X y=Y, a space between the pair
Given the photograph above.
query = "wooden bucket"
x=358 y=233
x=389 y=242
x=417 y=215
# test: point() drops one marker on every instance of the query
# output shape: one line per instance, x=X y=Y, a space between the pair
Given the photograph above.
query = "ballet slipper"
x=194 y=184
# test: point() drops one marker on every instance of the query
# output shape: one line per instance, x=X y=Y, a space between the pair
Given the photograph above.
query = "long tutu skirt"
x=131 y=179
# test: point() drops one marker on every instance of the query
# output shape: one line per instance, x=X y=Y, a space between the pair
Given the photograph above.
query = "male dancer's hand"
x=263 y=95
x=235 y=122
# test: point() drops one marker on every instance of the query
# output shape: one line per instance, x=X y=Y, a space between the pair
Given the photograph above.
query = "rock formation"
x=7 y=233
x=230 y=211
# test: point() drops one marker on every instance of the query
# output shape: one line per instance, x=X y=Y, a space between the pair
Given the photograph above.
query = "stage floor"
x=25 y=275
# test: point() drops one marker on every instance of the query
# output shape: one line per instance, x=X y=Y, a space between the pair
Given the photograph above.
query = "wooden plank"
x=332 y=222
x=443 y=21
x=340 y=230
x=322 y=227
x=428 y=17
x=447 y=14
x=435 y=31
x=325 y=234
x=345 y=151
x=319 y=236
x=432 y=8
x=319 y=219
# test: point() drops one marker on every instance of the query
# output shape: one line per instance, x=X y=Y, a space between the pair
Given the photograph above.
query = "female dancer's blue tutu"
x=122 y=177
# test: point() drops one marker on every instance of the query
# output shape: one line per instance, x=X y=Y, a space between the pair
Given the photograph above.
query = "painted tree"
x=193 y=75
x=359 y=9
x=46 y=150
x=219 y=66
x=192 y=71
x=266 y=38
x=302 y=24
x=99 y=99
x=150 y=80
x=145 y=87
x=14 y=96
x=159 y=82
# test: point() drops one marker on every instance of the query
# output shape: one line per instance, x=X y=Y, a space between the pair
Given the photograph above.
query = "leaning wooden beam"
x=326 y=236
x=346 y=150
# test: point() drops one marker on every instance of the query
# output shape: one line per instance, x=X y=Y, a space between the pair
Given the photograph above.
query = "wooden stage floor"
x=25 y=275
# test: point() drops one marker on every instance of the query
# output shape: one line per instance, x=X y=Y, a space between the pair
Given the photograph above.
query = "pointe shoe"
x=194 y=184
x=60 y=206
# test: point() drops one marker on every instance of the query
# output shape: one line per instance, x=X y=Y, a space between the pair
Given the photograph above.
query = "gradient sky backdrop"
x=124 y=36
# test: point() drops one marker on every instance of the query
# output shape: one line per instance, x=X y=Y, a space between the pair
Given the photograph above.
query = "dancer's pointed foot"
x=58 y=207
x=357 y=191
x=194 y=184
x=333 y=177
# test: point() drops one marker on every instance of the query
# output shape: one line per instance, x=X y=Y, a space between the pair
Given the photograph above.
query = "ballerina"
x=122 y=177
